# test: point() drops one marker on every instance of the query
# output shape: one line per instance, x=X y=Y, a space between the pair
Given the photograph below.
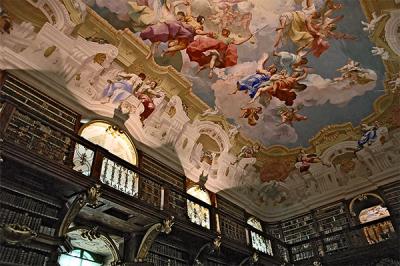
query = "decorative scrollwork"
x=92 y=196
x=16 y=234
x=151 y=235
x=207 y=249
x=89 y=197
x=251 y=260
x=91 y=234
x=167 y=225
x=98 y=237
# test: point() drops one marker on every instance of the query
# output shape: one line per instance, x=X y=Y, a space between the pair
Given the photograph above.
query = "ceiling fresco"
x=279 y=104
x=322 y=43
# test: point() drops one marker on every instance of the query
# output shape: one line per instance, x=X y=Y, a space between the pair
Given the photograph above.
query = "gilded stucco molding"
x=132 y=52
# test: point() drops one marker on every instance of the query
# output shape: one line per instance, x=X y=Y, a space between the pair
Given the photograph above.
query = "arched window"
x=112 y=139
x=198 y=214
x=116 y=142
x=79 y=257
x=258 y=241
x=370 y=207
x=373 y=213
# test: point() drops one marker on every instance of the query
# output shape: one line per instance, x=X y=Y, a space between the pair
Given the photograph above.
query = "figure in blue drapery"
x=369 y=135
x=120 y=89
x=253 y=82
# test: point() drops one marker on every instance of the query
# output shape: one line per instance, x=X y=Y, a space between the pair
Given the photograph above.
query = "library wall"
x=32 y=202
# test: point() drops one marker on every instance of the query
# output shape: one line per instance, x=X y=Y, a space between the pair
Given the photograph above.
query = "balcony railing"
x=358 y=237
x=69 y=152
x=29 y=137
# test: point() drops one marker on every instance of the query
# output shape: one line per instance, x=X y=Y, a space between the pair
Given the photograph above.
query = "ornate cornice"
x=132 y=53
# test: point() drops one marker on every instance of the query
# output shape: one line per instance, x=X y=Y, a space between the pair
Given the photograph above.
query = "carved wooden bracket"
x=250 y=260
x=15 y=234
x=207 y=249
x=89 y=197
x=151 y=235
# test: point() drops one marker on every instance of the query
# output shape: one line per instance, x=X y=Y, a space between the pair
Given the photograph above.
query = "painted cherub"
x=211 y=111
x=395 y=82
x=379 y=51
x=251 y=113
x=305 y=160
x=353 y=72
x=289 y=115
x=247 y=152
x=370 y=27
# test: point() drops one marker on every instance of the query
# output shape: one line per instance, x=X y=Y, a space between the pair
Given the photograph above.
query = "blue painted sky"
x=325 y=66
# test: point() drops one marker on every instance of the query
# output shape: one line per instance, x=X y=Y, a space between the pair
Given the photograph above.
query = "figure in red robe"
x=215 y=51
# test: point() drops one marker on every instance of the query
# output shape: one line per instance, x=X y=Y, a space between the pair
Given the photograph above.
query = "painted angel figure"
x=378 y=51
x=5 y=22
x=215 y=51
x=122 y=87
x=353 y=72
x=253 y=82
x=369 y=135
x=309 y=28
x=304 y=161
x=147 y=95
x=283 y=87
x=233 y=131
x=178 y=33
x=292 y=62
x=350 y=66
x=211 y=111
x=247 y=152
x=370 y=27
x=290 y=115
x=395 y=82
x=251 y=113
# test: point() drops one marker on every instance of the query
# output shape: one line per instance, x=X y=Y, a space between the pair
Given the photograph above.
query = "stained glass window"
x=199 y=214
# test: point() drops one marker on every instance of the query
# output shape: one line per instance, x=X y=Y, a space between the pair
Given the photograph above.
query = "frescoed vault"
x=281 y=104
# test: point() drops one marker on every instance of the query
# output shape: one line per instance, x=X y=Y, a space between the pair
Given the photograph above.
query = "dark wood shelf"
x=29 y=211
x=27 y=193
x=167 y=256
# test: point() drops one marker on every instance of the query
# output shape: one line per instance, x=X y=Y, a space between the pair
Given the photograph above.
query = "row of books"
x=28 y=204
x=158 y=260
x=47 y=230
x=303 y=255
x=11 y=217
x=21 y=256
x=167 y=251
